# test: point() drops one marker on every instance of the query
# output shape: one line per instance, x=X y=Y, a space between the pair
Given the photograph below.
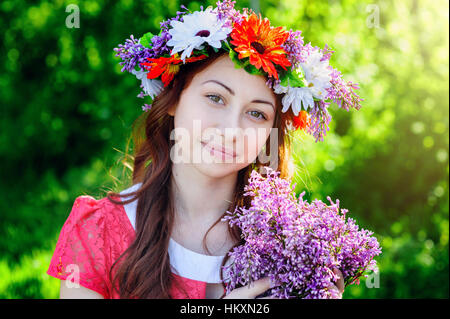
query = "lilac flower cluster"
x=343 y=93
x=159 y=42
x=294 y=48
x=146 y=107
x=132 y=53
x=227 y=12
x=326 y=53
x=295 y=243
x=320 y=120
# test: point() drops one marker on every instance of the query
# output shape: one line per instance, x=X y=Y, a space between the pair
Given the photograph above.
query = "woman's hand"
x=252 y=290
x=339 y=286
x=259 y=286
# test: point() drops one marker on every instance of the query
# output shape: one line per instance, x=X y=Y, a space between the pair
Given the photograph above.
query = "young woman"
x=163 y=237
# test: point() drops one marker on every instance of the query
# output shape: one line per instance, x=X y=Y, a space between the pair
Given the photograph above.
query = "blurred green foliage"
x=67 y=111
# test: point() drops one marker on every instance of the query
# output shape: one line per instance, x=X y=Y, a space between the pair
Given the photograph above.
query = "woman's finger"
x=336 y=292
x=269 y=297
x=251 y=290
x=340 y=282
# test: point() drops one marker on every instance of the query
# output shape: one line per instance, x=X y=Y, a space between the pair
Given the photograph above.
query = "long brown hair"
x=144 y=268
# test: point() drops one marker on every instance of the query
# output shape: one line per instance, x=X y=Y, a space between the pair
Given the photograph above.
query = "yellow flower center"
x=173 y=68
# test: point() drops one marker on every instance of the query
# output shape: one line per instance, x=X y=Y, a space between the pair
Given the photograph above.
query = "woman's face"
x=223 y=107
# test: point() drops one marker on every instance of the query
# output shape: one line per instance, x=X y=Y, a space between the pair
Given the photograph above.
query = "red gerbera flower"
x=302 y=120
x=168 y=67
x=256 y=39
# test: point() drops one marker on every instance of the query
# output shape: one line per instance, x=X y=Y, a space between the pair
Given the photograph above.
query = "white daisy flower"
x=196 y=29
x=152 y=87
x=296 y=97
x=317 y=75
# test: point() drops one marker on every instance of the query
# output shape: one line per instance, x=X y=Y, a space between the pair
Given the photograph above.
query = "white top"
x=187 y=263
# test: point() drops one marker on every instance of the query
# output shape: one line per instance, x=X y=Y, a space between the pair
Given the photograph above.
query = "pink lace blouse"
x=97 y=232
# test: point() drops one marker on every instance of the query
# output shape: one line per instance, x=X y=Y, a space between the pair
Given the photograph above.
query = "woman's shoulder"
x=86 y=210
x=102 y=214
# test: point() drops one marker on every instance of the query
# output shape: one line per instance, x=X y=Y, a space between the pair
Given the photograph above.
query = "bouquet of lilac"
x=295 y=243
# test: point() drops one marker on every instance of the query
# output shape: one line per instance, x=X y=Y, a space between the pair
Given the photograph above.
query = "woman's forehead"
x=240 y=81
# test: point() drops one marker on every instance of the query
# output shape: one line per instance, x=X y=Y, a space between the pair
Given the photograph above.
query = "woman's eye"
x=214 y=98
x=217 y=98
x=259 y=115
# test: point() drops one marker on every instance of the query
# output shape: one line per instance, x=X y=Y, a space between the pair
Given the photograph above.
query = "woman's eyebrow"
x=220 y=83
x=232 y=92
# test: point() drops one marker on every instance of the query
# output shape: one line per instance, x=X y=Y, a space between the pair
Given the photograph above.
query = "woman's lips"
x=219 y=150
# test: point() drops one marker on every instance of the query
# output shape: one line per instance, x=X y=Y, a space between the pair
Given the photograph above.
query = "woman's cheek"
x=251 y=149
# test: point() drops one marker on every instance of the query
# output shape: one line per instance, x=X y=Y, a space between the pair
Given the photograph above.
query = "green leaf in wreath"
x=200 y=52
x=235 y=59
x=226 y=45
x=244 y=64
x=293 y=78
x=250 y=68
x=146 y=40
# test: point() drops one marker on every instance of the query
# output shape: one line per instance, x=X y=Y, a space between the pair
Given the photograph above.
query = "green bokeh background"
x=67 y=111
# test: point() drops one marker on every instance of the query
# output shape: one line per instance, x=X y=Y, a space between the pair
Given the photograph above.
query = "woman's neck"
x=198 y=197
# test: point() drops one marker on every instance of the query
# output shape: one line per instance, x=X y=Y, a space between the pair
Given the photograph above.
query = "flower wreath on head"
x=299 y=71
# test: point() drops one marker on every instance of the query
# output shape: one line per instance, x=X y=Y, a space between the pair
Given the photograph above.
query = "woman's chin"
x=219 y=169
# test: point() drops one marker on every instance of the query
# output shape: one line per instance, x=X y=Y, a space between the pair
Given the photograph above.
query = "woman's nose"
x=229 y=126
